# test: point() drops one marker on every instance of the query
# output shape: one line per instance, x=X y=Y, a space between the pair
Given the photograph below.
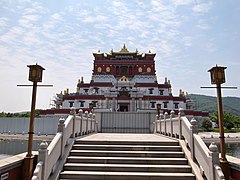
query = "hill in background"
x=209 y=103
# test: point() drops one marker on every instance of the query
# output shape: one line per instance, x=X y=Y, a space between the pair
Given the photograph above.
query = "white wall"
x=44 y=125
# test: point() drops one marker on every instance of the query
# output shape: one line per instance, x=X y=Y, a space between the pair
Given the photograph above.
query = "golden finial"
x=169 y=82
x=124 y=48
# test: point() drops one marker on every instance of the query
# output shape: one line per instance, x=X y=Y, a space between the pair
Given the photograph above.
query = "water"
x=13 y=147
x=233 y=149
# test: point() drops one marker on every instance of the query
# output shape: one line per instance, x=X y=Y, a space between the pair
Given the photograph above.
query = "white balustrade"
x=48 y=157
x=207 y=158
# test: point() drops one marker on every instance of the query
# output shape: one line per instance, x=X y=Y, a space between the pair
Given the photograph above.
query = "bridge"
x=89 y=146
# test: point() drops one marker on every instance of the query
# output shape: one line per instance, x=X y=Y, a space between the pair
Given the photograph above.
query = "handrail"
x=49 y=156
x=180 y=127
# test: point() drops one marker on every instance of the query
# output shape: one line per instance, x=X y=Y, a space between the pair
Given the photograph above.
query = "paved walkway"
x=127 y=137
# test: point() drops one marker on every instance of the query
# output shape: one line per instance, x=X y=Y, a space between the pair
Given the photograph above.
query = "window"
x=153 y=104
x=150 y=90
x=94 y=103
x=176 y=105
x=71 y=104
x=165 y=104
x=81 y=103
x=161 y=92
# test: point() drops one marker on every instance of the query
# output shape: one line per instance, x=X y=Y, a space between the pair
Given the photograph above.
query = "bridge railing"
x=180 y=127
x=50 y=156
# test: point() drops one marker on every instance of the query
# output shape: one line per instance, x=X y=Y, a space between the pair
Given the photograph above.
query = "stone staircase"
x=121 y=160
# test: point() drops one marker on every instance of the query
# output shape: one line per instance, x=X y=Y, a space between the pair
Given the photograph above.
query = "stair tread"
x=127 y=165
x=127 y=173
x=126 y=158
x=146 y=152
x=172 y=142
x=124 y=145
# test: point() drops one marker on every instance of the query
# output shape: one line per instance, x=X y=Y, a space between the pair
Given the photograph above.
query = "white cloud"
x=202 y=8
x=182 y=2
x=3 y=22
x=187 y=41
x=211 y=47
x=202 y=24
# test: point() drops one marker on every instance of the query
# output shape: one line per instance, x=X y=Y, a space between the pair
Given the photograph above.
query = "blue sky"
x=188 y=36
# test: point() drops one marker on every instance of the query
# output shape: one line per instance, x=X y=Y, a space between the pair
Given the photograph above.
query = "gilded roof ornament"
x=124 y=49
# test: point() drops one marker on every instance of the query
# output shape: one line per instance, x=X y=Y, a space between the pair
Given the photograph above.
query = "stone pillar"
x=193 y=130
x=90 y=120
x=43 y=156
x=172 y=114
x=73 y=113
x=180 y=114
x=165 y=123
x=107 y=103
x=133 y=104
x=114 y=104
x=86 y=116
x=140 y=103
x=80 y=113
x=61 y=127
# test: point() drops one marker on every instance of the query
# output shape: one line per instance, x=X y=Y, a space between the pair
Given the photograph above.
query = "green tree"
x=228 y=120
x=206 y=124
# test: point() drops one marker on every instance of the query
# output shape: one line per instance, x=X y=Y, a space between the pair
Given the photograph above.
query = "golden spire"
x=124 y=48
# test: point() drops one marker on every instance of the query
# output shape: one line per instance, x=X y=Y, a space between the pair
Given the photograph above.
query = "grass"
x=217 y=130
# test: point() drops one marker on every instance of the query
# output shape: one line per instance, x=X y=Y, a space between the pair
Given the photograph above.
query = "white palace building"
x=123 y=81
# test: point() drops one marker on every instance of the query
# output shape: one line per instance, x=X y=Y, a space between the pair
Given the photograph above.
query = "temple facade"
x=122 y=81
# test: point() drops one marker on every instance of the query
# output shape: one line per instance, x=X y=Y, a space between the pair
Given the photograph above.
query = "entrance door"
x=123 y=108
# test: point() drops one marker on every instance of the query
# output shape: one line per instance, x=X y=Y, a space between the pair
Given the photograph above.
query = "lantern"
x=35 y=73
x=217 y=75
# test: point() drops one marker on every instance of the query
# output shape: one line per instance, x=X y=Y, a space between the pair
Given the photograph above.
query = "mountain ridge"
x=209 y=103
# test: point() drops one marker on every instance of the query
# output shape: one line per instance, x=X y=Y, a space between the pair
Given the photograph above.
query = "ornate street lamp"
x=158 y=109
x=218 y=78
x=35 y=76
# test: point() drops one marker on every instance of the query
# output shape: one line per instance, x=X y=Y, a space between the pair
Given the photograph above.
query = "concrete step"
x=127 y=160
x=127 y=168
x=103 y=157
x=99 y=153
x=97 y=175
x=125 y=147
x=151 y=143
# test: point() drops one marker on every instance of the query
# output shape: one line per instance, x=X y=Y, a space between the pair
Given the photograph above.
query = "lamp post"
x=218 y=78
x=158 y=109
x=35 y=76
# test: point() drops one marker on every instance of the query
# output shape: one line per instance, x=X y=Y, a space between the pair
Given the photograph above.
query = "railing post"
x=155 y=124
x=61 y=127
x=180 y=114
x=214 y=159
x=43 y=156
x=165 y=123
x=94 y=122
x=193 y=130
x=80 y=113
x=90 y=118
x=172 y=114
x=160 y=123
x=86 y=116
x=73 y=113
